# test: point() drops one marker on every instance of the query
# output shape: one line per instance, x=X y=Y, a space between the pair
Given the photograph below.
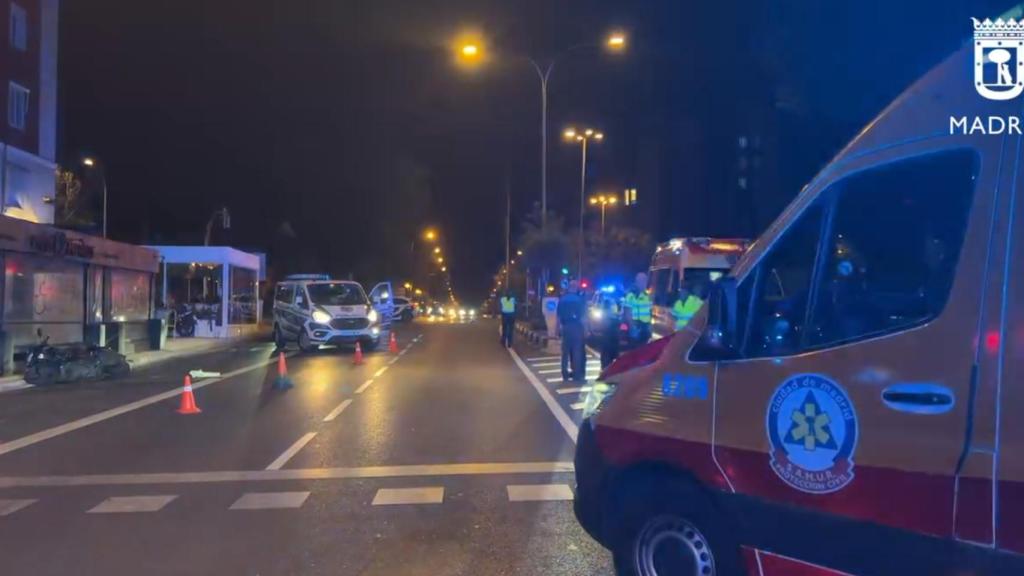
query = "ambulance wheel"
x=668 y=527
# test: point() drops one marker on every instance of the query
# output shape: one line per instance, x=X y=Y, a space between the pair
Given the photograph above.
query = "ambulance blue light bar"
x=308 y=277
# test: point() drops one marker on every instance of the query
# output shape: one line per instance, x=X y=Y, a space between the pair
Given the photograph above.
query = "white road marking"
x=15 y=385
x=12 y=506
x=364 y=386
x=556 y=409
x=291 y=451
x=67 y=427
x=334 y=413
x=269 y=500
x=537 y=359
x=574 y=390
x=424 y=495
x=591 y=369
x=257 y=348
x=393 y=360
x=379 y=372
x=590 y=376
x=577 y=405
x=411 y=471
x=119 y=504
x=539 y=492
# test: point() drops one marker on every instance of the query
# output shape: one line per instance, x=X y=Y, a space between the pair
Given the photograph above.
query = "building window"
x=129 y=295
x=18 y=32
x=17 y=106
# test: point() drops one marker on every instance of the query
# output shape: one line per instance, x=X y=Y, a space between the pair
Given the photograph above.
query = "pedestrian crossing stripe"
x=577 y=405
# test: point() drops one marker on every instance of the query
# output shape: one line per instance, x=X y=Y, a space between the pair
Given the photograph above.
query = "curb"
x=535 y=337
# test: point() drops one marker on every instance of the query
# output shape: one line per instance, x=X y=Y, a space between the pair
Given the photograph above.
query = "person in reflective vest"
x=508 y=318
x=638 y=308
x=685 y=308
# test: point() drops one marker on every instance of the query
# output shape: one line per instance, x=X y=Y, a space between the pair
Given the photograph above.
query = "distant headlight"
x=596 y=313
x=462 y=312
x=321 y=317
x=372 y=316
x=472 y=312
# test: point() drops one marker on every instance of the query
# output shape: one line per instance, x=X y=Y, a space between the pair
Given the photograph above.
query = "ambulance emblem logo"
x=812 y=428
x=999 y=58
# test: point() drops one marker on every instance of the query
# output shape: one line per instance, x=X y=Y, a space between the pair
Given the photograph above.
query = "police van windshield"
x=336 y=294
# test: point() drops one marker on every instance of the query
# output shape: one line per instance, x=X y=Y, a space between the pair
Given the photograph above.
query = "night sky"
x=347 y=124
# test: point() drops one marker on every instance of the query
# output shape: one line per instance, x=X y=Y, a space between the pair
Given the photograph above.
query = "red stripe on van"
x=775 y=565
x=623 y=448
x=974 y=510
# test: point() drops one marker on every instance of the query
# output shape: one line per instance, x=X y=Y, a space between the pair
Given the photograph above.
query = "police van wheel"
x=668 y=527
x=304 y=343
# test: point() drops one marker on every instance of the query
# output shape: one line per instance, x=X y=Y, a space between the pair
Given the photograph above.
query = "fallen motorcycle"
x=52 y=364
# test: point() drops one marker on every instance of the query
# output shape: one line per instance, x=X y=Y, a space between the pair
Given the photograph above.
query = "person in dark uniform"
x=609 y=332
x=570 y=318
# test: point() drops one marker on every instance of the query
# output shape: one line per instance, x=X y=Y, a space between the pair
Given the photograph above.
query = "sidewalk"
x=174 y=348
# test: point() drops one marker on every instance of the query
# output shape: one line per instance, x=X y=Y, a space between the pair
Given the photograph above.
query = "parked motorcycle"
x=185 y=324
x=51 y=364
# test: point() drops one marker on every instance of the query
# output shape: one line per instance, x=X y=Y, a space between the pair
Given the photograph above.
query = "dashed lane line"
x=67 y=427
x=410 y=471
x=128 y=504
x=539 y=492
x=421 y=495
x=292 y=450
x=269 y=500
x=556 y=409
x=12 y=506
x=334 y=413
x=364 y=386
x=378 y=373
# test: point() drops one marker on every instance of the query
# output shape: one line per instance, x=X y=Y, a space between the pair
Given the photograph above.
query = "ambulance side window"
x=892 y=248
x=773 y=300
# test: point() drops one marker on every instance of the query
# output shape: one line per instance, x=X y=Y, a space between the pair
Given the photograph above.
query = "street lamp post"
x=583 y=137
x=90 y=162
x=471 y=51
x=603 y=201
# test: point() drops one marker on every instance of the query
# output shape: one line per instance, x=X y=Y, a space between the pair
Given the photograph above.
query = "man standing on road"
x=508 y=318
x=638 y=311
x=570 y=318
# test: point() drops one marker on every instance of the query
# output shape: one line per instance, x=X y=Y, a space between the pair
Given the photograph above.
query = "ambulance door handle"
x=919 y=398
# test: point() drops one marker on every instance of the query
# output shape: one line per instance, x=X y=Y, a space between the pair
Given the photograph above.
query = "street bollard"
x=122 y=338
x=7 y=351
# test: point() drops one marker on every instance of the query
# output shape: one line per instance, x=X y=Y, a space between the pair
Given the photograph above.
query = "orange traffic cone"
x=357 y=359
x=393 y=344
x=282 y=382
x=188 y=400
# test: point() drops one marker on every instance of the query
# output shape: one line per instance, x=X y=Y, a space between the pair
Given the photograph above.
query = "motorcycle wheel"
x=119 y=370
x=42 y=375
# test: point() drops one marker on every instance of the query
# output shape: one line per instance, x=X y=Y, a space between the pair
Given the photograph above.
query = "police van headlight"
x=372 y=316
x=321 y=316
x=596 y=313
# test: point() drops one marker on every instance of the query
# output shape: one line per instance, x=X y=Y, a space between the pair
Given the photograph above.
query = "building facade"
x=28 y=93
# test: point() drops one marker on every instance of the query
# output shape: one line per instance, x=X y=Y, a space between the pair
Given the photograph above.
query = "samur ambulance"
x=850 y=400
x=686 y=262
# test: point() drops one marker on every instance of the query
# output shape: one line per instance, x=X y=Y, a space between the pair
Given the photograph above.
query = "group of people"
x=635 y=315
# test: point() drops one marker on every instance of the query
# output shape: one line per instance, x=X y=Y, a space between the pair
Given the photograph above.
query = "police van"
x=850 y=400
x=685 y=262
x=314 y=310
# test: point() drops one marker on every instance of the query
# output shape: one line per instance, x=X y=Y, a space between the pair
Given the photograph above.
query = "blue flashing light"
x=565 y=270
x=608 y=289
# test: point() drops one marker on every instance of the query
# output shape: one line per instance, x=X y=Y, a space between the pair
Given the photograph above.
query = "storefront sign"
x=58 y=244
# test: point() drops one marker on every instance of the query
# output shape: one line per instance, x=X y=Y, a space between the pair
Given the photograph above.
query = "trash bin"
x=157 y=331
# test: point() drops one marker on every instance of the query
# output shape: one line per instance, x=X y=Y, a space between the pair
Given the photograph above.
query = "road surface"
x=451 y=458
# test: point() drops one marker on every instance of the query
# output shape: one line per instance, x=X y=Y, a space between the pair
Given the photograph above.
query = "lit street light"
x=583 y=137
x=603 y=201
x=430 y=234
x=471 y=52
x=89 y=162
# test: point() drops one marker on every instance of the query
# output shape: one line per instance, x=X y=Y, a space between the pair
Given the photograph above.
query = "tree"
x=619 y=254
x=74 y=208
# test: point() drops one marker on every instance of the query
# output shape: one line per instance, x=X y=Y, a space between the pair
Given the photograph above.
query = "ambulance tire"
x=660 y=513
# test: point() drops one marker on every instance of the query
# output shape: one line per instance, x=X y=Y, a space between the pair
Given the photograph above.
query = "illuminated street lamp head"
x=440 y=260
x=569 y=133
x=588 y=132
x=430 y=234
x=594 y=200
x=580 y=137
x=616 y=41
x=613 y=199
x=437 y=250
x=444 y=268
x=519 y=252
x=88 y=162
x=470 y=50
x=599 y=136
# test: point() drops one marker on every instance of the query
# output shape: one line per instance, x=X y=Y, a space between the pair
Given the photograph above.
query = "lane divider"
x=292 y=450
x=364 y=386
x=556 y=409
x=379 y=372
x=334 y=413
